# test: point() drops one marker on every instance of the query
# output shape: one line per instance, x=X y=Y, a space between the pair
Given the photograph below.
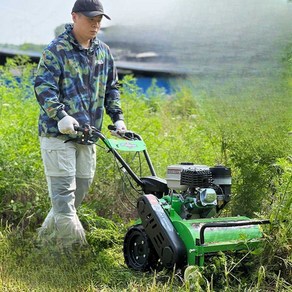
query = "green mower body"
x=205 y=236
x=218 y=234
x=180 y=221
x=162 y=236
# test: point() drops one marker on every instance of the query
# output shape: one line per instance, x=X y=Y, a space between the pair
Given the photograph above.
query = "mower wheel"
x=139 y=252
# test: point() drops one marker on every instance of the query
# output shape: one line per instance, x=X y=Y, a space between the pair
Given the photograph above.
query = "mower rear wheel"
x=139 y=252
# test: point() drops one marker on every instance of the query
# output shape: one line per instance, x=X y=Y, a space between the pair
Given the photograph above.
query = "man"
x=76 y=82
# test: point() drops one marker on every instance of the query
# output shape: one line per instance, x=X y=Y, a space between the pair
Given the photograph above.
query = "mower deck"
x=205 y=236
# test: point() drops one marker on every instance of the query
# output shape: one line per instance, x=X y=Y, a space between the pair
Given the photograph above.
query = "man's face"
x=86 y=27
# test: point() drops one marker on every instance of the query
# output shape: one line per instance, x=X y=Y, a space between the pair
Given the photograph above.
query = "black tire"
x=139 y=252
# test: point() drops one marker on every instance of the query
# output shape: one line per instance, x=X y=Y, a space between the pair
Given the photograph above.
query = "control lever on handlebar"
x=112 y=127
x=87 y=136
x=128 y=135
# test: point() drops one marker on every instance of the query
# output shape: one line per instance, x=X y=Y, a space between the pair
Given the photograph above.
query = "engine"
x=204 y=190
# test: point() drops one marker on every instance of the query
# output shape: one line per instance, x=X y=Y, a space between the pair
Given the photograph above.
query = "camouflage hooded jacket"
x=76 y=81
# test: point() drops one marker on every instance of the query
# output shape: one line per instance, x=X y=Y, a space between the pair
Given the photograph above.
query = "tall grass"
x=247 y=131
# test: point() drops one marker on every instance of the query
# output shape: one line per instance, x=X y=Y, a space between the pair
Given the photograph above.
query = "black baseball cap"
x=89 y=8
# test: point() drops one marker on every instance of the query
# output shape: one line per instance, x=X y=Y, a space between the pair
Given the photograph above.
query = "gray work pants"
x=69 y=168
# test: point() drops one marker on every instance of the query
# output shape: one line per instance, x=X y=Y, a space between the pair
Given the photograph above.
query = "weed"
x=248 y=133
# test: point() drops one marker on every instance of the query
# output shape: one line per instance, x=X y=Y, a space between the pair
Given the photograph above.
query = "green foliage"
x=21 y=175
x=102 y=233
x=253 y=133
x=234 y=272
x=247 y=131
x=278 y=254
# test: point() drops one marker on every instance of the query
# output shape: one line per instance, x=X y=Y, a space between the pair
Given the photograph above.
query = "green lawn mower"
x=179 y=220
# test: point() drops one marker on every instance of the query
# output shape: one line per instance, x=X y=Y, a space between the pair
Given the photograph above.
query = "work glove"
x=66 y=125
x=120 y=129
x=120 y=126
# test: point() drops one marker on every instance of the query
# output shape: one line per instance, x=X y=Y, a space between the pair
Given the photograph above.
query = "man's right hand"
x=66 y=125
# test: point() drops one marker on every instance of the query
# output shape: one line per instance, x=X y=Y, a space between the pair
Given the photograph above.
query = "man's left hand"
x=120 y=126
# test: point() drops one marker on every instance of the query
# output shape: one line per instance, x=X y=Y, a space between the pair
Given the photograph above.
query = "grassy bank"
x=247 y=131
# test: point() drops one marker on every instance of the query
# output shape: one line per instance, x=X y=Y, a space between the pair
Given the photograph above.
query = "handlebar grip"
x=78 y=128
x=112 y=127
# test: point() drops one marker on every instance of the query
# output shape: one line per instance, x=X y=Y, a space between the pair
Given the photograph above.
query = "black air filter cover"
x=201 y=178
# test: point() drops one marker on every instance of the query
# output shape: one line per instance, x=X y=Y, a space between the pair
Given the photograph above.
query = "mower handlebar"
x=91 y=134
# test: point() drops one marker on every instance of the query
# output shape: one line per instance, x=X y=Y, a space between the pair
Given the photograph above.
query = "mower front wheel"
x=139 y=252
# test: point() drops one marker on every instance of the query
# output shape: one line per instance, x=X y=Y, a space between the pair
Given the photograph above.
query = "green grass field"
x=249 y=131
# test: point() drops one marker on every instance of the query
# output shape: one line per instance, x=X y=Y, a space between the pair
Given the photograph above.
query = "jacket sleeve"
x=46 y=86
x=112 y=94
